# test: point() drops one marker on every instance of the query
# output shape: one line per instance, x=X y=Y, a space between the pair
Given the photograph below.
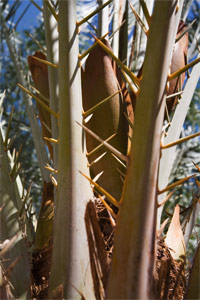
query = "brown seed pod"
x=98 y=82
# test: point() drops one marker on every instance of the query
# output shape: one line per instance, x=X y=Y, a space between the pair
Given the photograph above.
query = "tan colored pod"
x=98 y=82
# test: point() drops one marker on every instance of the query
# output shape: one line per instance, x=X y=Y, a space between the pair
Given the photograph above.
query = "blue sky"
x=30 y=17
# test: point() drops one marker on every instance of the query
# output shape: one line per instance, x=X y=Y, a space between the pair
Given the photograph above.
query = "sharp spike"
x=162 y=227
x=37 y=42
x=198 y=168
x=102 y=191
x=93 y=13
x=197 y=182
x=123 y=67
x=47 y=127
x=185 y=68
x=135 y=92
x=37 y=6
x=52 y=10
x=50 y=140
x=111 y=36
x=101 y=145
x=39 y=101
x=48 y=63
x=81 y=56
x=111 y=148
x=121 y=163
x=166 y=199
x=54 y=181
x=48 y=167
x=145 y=12
x=107 y=206
x=184 y=31
x=40 y=94
x=96 y=160
x=139 y=20
x=173 y=185
x=95 y=107
x=121 y=173
x=174 y=95
x=129 y=121
x=182 y=140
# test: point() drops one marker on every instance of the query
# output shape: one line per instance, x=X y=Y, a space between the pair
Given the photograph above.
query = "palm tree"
x=133 y=177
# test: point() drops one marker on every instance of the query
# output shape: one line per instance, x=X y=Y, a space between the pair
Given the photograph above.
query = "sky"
x=30 y=17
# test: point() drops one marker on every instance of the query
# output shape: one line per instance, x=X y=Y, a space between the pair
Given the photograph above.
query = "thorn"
x=108 y=208
x=198 y=168
x=39 y=101
x=81 y=56
x=101 y=145
x=121 y=173
x=111 y=36
x=54 y=181
x=50 y=140
x=48 y=167
x=141 y=23
x=95 y=107
x=162 y=227
x=185 y=68
x=171 y=186
x=174 y=95
x=197 y=182
x=37 y=6
x=129 y=121
x=121 y=163
x=111 y=148
x=167 y=114
x=145 y=12
x=182 y=140
x=37 y=42
x=102 y=191
x=96 y=160
x=123 y=67
x=93 y=13
x=184 y=31
x=48 y=63
x=47 y=127
x=135 y=92
x=165 y=199
x=40 y=94
x=52 y=10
